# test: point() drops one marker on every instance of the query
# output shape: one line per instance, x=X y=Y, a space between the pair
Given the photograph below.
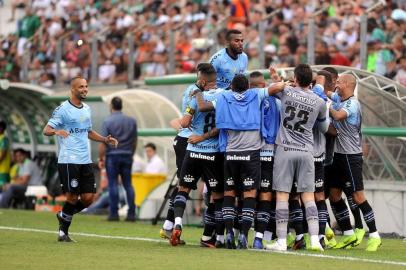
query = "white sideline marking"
x=345 y=258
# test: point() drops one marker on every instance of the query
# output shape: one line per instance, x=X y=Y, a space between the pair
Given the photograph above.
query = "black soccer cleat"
x=299 y=244
x=65 y=238
x=208 y=243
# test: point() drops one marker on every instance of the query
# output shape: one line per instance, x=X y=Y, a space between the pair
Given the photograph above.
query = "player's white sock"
x=168 y=225
x=220 y=238
x=314 y=240
x=374 y=235
x=206 y=238
x=349 y=232
x=267 y=236
x=299 y=236
x=178 y=221
x=61 y=233
x=259 y=235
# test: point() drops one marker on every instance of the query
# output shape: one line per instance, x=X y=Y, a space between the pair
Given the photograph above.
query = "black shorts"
x=318 y=176
x=346 y=173
x=242 y=171
x=206 y=165
x=179 y=145
x=77 y=178
x=266 y=174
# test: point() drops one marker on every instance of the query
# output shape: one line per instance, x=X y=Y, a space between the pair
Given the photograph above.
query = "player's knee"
x=250 y=193
x=184 y=189
x=319 y=196
x=358 y=197
x=265 y=196
x=87 y=199
x=335 y=195
x=72 y=198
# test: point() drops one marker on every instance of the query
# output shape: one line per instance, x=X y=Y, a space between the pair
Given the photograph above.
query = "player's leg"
x=217 y=188
x=296 y=220
x=320 y=201
x=354 y=163
x=208 y=238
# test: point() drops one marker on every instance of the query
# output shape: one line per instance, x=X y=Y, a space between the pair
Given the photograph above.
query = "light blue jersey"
x=185 y=132
x=75 y=148
x=268 y=150
x=204 y=122
x=227 y=67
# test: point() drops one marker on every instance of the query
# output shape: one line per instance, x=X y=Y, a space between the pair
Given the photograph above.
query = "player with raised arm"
x=71 y=123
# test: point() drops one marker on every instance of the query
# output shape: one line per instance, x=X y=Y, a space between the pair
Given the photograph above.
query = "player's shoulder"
x=244 y=56
x=62 y=107
x=85 y=106
x=219 y=54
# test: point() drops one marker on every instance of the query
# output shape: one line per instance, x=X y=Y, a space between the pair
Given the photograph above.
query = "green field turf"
x=40 y=250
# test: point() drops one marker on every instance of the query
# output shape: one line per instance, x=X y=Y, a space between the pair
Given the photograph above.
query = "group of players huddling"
x=270 y=156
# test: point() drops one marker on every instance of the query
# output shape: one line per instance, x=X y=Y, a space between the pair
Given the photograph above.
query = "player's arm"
x=94 y=136
x=199 y=138
x=50 y=131
x=338 y=115
x=276 y=88
x=186 y=120
x=322 y=121
x=202 y=105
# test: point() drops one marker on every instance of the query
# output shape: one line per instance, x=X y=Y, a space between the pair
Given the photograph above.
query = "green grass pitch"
x=120 y=245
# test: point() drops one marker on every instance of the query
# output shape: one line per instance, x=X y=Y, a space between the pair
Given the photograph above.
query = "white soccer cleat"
x=276 y=246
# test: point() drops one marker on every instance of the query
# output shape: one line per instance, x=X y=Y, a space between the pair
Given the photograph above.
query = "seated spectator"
x=401 y=74
x=336 y=58
x=155 y=163
x=28 y=175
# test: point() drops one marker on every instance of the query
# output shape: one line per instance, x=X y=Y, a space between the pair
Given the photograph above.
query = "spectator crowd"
x=199 y=25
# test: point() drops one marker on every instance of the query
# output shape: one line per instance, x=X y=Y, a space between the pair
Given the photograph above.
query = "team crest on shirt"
x=248 y=182
x=74 y=183
x=213 y=182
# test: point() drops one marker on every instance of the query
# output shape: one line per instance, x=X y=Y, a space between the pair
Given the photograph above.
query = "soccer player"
x=238 y=116
x=270 y=109
x=300 y=110
x=202 y=157
x=231 y=60
x=71 y=123
x=179 y=145
x=347 y=163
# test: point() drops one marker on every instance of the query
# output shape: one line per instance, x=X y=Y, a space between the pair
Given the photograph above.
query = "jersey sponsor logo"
x=301 y=98
x=212 y=182
x=230 y=181
x=235 y=157
x=188 y=178
x=266 y=158
x=292 y=144
x=248 y=182
x=79 y=130
x=206 y=147
x=200 y=156
x=74 y=183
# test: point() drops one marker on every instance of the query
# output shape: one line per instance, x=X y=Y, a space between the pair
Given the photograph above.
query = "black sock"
x=229 y=213
x=322 y=213
x=248 y=214
x=341 y=214
x=170 y=215
x=218 y=214
x=209 y=220
x=355 y=212
x=79 y=206
x=66 y=215
x=296 y=216
x=272 y=219
x=180 y=203
x=305 y=223
x=238 y=217
x=369 y=216
x=263 y=215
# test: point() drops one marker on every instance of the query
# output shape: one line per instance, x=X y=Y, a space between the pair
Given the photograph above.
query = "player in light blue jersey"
x=71 y=122
x=231 y=60
x=179 y=145
x=202 y=159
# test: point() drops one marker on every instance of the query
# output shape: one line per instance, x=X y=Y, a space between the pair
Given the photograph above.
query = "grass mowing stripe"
x=345 y=258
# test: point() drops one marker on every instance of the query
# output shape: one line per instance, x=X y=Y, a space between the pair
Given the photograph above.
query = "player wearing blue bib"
x=230 y=61
x=71 y=122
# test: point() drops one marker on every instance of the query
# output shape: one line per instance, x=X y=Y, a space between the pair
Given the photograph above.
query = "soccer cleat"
x=208 y=243
x=230 y=241
x=360 y=235
x=242 y=242
x=65 y=238
x=257 y=243
x=299 y=244
x=373 y=244
x=276 y=246
x=324 y=242
x=316 y=247
x=63 y=225
x=346 y=241
x=175 y=236
x=219 y=244
x=290 y=240
x=331 y=243
x=166 y=234
x=329 y=233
